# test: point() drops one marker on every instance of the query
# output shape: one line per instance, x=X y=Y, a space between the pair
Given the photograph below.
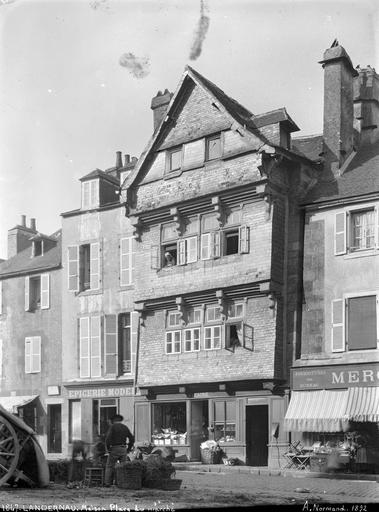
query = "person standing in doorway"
x=118 y=442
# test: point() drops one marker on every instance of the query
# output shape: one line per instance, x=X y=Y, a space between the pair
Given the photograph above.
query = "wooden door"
x=257 y=435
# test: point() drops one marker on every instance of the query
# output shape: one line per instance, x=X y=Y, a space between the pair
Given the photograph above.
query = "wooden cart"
x=22 y=461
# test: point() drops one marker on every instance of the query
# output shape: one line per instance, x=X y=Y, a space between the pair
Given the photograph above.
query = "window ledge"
x=361 y=254
x=174 y=174
x=89 y=292
x=124 y=287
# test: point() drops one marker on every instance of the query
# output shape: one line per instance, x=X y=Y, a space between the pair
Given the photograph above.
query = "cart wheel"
x=9 y=450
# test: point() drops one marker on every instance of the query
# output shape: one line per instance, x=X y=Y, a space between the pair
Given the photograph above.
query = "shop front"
x=334 y=416
x=246 y=424
x=91 y=406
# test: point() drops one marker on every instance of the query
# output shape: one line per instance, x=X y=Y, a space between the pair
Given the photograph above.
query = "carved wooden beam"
x=141 y=310
x=219 y=209
x=177 y=218
x=137 y=226
x=221 y=301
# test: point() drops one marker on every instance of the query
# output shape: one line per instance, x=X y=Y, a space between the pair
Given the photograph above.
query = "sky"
x=77 y=79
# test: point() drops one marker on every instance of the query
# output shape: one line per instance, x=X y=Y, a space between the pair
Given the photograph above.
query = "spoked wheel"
x=9 y=450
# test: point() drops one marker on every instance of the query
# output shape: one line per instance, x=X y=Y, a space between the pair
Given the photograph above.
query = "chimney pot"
x=134 y=159
x=23 y=221
x=33 y=224
x=159 y=106
x=127 y=159
x=118 y=159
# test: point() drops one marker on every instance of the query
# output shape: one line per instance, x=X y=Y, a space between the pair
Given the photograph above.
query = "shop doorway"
x=199 y=427
x=103 y=412
x=257 y=435
x=54 y=428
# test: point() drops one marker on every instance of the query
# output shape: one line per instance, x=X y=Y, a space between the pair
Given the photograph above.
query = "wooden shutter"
x=216 y=244
x=191 y=249
x=155 y=257
x=248 y=337
x=84 y=347
x=338 y=335
x=28 y=355
x=181 y=252
x=73 y=268
x=27 y=293
x=142 y=422
x=134 y=324
x=36 y=354
x=1 y=297
x=95 y=346
x=340 y=233
x=205 y=249
x=95 y=266
x=110 y=345
x=126 y=261
x=377 y=227
x=244 y=232
x=45 y=291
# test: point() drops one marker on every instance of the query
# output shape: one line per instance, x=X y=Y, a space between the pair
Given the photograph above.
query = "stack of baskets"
x=129 y=474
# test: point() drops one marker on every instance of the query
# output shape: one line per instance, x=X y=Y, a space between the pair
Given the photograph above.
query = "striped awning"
x=317 y=411
x=363 y=404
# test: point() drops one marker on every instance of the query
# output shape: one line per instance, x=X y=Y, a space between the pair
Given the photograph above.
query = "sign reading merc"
x=100 y=392
x=329 y=377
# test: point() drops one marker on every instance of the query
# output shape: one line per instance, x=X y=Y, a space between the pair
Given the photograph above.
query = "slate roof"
x=23 y=263
x=360 y=178
x=310 y=146
x=98 y=173
x=279 y=115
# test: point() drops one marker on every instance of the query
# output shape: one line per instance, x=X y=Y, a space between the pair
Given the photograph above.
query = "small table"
x=297 y=461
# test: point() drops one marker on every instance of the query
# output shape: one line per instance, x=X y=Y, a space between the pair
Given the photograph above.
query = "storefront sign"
x=100 y=392
x=330 y=377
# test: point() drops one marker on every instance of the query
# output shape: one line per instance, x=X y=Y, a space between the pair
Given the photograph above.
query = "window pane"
x=175 y=160
x=207 y=337
x=213 y=148
x=362 y=323
x=363 y=229
x=75 y=420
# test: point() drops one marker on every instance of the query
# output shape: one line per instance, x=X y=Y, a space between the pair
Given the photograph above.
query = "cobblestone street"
x=202 y=490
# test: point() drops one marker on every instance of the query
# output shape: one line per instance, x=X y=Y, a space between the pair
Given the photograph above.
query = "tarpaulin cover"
x=12 y=403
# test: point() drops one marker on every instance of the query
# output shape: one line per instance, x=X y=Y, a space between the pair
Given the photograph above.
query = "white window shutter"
x=134 y=323
x=181 y=252
x=27 y=293
x=205 y=242
x=340 y=233
x=338 y=334
x=191 y=249
x=95 y=346
x=85 y=195
x=216 y=244
x=84 y=347
x=244 y=232
x=110 y=345
x=1 y=297
x=377 y=227
x=95 y=267
x=45 y=291
x=73 y=268
x=28 y=354
x=126 y=261
x=36 y=354
x=155 y=257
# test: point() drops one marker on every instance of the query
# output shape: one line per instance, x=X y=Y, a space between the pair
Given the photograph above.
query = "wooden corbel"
x=219 y=209
x=137 y=226
x=222 y=303
x=177 y=218
x=180 y=306
x=272 y=303
x=140 y=309
x=268 y=205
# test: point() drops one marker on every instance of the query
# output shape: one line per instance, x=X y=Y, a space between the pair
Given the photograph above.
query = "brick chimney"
x=366 y=106
x=338 y=107
x=18 y=237
x=159 y=106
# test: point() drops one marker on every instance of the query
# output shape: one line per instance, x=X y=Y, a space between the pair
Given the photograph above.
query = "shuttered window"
x=84 y=267
x=95 y=346
x=125 y=343
x=90 y=194
x=45 y=291
x=244 y=235
x=338 y=335
x=362 y=322
x=33 y=354
x=90 y=346
x=1 y=297
x=110 y=345
x=73 y=267
x=126 y=261
x=27 y=293
x=205 y=246
x=340 y=233
x=95 y=266
x=84 y=347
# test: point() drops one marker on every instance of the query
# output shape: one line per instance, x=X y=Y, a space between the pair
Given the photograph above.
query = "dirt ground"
x=199 y=490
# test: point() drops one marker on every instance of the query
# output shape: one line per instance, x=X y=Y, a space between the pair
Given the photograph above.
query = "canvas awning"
x=317 y=411
x=363 y=404
x=12 y=403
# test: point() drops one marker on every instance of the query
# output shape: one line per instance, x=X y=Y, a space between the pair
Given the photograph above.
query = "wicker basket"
x=171 y=484
x=210 y=456
x=129 y=477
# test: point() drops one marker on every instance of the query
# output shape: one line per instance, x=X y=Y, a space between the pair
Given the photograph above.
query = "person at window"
x=169 y=258
x=118 y=442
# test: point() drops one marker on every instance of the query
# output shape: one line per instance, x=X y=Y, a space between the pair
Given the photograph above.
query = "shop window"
x=173 y=342
x=125 y=343
x=212 y=337
x=103 y=411
x=191 y=340
x=225 y=421
x=84 y=267
x=169 y=423
x=213 y=147
x=37 y=292
x=356 y=231
x=74 y=420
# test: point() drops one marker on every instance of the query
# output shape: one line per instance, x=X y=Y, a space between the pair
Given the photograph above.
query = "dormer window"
x=90 y=194
x=174 y=159
x=37 y=248
x=213 y=147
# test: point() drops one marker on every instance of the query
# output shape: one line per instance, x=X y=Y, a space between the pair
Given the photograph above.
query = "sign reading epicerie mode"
x=329 y=377
x=114 y=392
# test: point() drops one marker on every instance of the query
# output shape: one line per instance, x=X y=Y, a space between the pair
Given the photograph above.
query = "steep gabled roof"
x=23 y=263
x=98 y=173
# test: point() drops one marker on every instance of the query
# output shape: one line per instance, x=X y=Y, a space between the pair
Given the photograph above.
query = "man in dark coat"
x=118 y=441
